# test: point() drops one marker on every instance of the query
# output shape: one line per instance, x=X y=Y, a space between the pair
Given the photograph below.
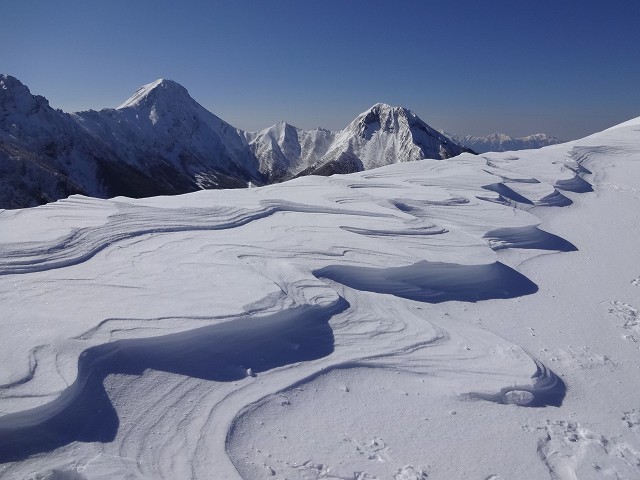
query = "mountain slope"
x=45 y=155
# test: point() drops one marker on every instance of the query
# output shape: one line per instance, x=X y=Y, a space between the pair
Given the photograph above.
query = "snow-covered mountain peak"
x=160 y=91
x=279 y=131
x=381 y=117
x=499 y=137
x=15 y=97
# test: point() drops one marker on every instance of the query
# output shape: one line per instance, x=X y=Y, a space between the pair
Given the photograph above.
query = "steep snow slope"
x=409 y=322
x=284 y=150
x=500 y=142
x=39 y=159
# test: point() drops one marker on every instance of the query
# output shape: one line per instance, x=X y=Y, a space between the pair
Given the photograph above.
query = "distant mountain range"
x=499 y=142
x=162 y=142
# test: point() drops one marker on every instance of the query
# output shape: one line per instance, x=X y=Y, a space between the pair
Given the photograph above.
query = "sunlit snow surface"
x=375 y=325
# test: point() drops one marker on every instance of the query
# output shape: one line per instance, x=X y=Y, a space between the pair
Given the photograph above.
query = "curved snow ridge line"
x=31 y=371
x=547 y=389
x=451 y=202
x=434 y=282
x=528 y=237
x=555 y=199
x=84 y=244
x=346 y=365
x=393 y=233
x=505 y=192
x=375 y=186
x=90 y=333
x=575 y=184
x=509 y=197
x=584 y=154
x=224 y=352
x=506 y=179
x=419 y=208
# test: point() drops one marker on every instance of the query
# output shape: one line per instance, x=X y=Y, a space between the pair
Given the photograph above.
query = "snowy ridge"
x=277 y=332
x=500 y=142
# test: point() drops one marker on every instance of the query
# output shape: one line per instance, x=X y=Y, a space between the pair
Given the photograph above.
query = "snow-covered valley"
x=475 y=318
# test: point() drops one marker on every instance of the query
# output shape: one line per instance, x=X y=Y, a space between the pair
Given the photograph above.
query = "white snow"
x=420 y=320
x=143 y=92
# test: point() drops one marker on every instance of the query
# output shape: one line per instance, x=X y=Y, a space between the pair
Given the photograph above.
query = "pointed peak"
x=386 y=117
x=12 y=86
x=382 y=108
x=154 y=90
x=7 y=81
x=14 y=95
x=499 y=136
x=384 y=113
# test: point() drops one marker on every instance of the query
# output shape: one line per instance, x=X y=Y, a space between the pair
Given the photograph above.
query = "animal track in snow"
x=632 y=419
x=629 y=315
x=408 y=472
x=636 y=282
x=620 y=188
x=573 y=452
x=376 y=449
x=580 y=357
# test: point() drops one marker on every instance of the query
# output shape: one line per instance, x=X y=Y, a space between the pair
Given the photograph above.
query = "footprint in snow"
x=408 y=472
x=632 y=419
x=571 y=451
x=376 y=449
x=629 y=315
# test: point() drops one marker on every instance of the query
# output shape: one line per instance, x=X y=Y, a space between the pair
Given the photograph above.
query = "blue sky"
x=568 y=68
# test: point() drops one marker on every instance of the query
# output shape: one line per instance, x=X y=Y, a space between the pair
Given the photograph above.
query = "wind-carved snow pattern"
x=176 y=337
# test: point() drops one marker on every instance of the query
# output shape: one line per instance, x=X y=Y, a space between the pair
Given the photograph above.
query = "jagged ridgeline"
x=162 y=142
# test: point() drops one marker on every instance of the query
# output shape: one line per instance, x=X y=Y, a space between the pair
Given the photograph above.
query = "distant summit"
x=161 y=141
x=500 y=142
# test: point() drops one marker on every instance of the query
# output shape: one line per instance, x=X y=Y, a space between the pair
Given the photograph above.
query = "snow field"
x=402 y=323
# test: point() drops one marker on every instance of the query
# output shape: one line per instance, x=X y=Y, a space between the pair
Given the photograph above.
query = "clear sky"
x=563 y=67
